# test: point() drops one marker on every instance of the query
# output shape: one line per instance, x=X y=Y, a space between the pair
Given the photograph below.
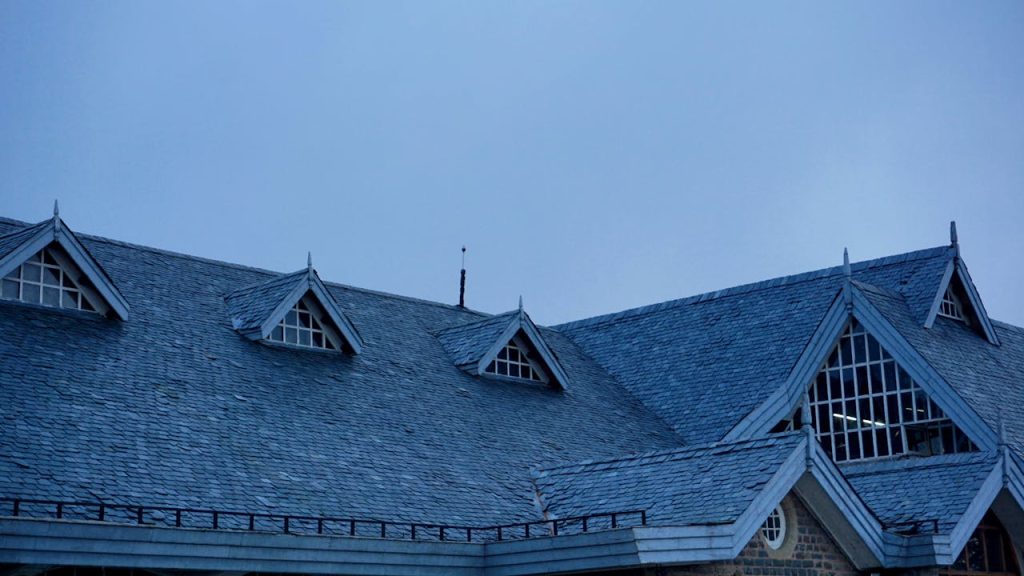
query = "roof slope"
x=710 y=484
x=468 y=343
x=703 y=363
x=176 y=408
x=904 y=491
x=251 y=305
x=989 y=378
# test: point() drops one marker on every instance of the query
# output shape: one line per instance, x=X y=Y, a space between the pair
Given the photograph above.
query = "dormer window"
x=950 y=306
x=513 y=361
x=508 y=346
x=47 y=278
x=294 y=309
x=302 y=326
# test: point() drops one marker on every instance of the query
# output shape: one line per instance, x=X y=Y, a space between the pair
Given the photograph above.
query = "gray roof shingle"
x=175 y=408
x=711 y=484
x=909 y=490
x=703 y=363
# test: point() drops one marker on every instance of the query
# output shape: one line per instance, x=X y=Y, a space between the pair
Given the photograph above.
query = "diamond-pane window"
x=864 y=405
x=43 y=279
x=300 y=327
x=513 y=361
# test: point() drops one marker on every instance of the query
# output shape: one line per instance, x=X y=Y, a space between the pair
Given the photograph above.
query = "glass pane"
x=32 y=272
x=69 y=299
x=863 y=385
x=304 y=319
x=51 y=276
x=291 y=335
x=10 y=289
x=277 y=334
x=48 y=258
x=30 y=293
x=291 y=319
x=51 y=296
x=513 y=370
x=318 y=340
x=14 y=273
x=303 y=337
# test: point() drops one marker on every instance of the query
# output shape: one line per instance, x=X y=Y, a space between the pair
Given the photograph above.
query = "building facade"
x=165 y=413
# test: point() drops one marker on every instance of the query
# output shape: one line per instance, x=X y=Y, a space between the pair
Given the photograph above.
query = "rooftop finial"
x=520 y=302
x=309 y=259
x=56 y=208
x=953 y=240
x=462 y=280
x=846 y=262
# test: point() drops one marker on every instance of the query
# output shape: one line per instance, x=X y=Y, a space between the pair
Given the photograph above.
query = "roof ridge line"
x=663 y=452
x=236 y=266
x=756 y=286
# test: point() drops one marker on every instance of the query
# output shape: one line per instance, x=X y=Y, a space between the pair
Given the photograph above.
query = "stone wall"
x=807 y=551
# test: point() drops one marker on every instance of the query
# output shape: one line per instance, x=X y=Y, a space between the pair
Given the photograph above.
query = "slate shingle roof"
x=989 y=378
x=11 y=239
x=938 y=488
x=252 y=305
x=467 y=344
x=174 y=407
x=710 y=484
x=703 y=363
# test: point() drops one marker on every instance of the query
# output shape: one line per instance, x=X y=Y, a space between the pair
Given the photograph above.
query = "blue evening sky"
x=593 y=155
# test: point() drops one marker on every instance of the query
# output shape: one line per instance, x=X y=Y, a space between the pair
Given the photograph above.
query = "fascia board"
x=976 y=510
x=786 y=398
x=97 y=544
x=922 y=372
x=933 y=311
x=533 y=333
x=975 y=298
x=685 y=544
x=348 y=331
x=274 y=318
x=92 y=270
x=503 y=338
x=868 y=529
x=22 y=253
x=778 y=486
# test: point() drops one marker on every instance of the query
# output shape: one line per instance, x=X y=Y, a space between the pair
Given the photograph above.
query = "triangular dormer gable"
x=52 y=250
x=505 y=346
x=858 y=302
x=298 y=301
x=958 y=299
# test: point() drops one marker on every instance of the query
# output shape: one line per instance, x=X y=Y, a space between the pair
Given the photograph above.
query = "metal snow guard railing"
x=169 y=516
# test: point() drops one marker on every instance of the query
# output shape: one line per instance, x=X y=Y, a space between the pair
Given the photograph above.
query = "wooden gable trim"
x=58 y=232
x=311 y=283
x=521 y=323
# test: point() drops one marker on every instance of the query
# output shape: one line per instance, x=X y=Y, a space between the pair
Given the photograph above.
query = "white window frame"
x=858 y=388
x=72 y=289
x=320 y=324
x=951 y=307
x=773 y=531
x=523 y=350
